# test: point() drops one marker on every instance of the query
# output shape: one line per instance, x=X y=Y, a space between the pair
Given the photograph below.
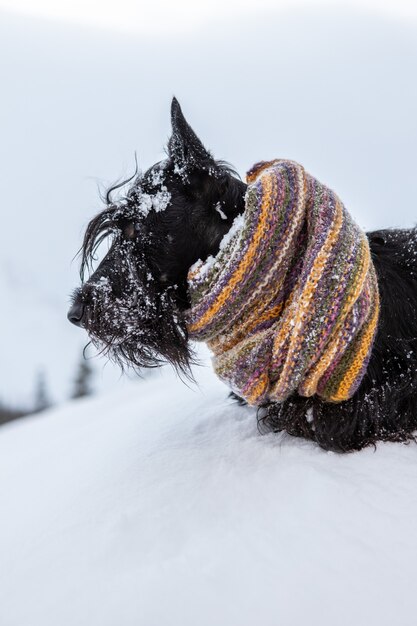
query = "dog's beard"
x=129 y=317
x=142 y=328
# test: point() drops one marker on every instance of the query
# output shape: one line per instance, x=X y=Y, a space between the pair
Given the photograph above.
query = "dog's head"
x=176 y=213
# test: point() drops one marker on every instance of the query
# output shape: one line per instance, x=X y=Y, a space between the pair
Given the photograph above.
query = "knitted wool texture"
x=290 y=302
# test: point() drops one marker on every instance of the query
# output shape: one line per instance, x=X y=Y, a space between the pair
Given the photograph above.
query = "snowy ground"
x=160 y=504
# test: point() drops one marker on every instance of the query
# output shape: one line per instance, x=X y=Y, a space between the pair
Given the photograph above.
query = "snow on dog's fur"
x=133 y=305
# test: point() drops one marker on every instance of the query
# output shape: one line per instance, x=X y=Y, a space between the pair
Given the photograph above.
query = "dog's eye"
x=129 y=230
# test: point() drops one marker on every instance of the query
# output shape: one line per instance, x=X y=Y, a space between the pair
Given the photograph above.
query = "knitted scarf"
x=290 y=302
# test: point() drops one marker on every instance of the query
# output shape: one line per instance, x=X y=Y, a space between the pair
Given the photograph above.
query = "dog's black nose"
x=76 y=313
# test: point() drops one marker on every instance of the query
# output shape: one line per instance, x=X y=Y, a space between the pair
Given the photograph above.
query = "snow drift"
x=161 y=504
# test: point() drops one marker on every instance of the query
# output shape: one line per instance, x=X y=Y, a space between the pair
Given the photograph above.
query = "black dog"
x=178 y=212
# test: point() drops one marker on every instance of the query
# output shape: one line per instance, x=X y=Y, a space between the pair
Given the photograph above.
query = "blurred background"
x=86 y=84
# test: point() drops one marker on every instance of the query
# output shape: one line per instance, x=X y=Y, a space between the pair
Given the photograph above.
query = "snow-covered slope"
x=160 y=504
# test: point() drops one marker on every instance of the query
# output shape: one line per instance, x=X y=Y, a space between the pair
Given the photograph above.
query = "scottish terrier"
x=133 y=305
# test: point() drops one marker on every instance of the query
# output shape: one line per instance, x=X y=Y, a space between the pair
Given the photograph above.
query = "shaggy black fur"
x=177 y=212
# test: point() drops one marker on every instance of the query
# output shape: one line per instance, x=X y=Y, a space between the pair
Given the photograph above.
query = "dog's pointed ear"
x=184 y=147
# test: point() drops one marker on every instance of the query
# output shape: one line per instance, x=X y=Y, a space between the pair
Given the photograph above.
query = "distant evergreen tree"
x=42 y=400
x=82 y=382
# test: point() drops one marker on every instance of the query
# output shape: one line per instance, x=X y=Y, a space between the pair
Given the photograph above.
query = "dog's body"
x=177 y=213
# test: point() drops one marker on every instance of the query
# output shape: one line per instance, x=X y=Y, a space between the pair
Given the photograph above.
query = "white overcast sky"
x=159 y=15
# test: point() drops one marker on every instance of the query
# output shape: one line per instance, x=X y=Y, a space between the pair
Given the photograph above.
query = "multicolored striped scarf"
x=290 y=302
